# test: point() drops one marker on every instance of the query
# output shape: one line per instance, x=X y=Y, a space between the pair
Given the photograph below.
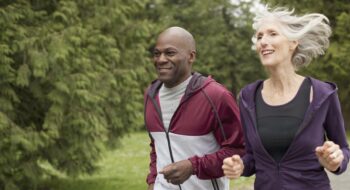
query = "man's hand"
x=178 y=172
x=330 y=155
x=150 y=186
x=233 y=167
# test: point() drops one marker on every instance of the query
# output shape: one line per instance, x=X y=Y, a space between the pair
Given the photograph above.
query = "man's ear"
x=293 y=45
x=192 y=56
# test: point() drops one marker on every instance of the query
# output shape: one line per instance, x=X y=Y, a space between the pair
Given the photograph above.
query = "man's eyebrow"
x=166 y=49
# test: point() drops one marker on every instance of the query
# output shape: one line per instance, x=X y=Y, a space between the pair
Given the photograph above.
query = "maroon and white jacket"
x=204 y=129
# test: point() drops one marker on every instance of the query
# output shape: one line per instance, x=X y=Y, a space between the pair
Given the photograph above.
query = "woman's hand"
x=330 y=155
x=233 y=167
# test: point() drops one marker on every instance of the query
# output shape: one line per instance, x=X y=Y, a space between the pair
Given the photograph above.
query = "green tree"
x=71 y=79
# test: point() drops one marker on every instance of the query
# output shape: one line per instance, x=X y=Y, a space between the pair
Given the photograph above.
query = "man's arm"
x=152 y=166
x=230 y=139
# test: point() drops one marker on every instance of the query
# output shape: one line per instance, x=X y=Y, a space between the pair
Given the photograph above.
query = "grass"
x=123 y=169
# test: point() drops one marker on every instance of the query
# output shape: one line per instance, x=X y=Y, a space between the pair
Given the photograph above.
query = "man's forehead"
x=165 y=47
x=170 y=41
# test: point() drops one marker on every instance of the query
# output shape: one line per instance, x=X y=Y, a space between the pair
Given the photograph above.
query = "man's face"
x=172 y=59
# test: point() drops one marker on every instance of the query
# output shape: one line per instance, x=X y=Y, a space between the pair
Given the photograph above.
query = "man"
x=193 y=121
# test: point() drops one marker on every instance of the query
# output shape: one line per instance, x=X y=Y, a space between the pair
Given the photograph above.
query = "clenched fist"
x=233 y=167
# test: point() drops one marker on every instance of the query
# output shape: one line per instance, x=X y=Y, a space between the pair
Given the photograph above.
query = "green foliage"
x=71 y=77
x=73 y=73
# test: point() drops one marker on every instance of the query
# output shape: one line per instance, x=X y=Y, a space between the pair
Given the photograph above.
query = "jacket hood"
x=196 y=83
x=321 y=91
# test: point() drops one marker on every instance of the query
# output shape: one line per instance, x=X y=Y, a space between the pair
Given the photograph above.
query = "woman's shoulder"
x=251 y=87
x=323 y=85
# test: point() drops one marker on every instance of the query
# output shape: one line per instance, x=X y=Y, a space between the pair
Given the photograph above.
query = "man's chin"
x=164 y=77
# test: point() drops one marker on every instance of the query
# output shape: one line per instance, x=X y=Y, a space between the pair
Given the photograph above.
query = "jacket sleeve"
x=152 y=166
x=248 y=158
x=151 y=177
x=335 y=130
x=230 y=139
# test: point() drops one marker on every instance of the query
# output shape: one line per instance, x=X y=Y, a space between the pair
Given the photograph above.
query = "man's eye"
x=258 y=37
x=170 y=53
x=156 y=54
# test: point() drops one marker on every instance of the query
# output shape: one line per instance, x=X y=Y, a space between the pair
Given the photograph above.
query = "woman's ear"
x=293 y=45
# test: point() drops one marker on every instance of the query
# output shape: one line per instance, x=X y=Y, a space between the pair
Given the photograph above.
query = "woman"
x=293 y=124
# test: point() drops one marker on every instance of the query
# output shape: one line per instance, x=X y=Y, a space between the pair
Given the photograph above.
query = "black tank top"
x=277 y=125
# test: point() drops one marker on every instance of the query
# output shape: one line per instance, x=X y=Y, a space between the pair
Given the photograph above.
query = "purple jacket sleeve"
x=335 y=130
x=248 y=158
x=209 y=166
x=152 y=166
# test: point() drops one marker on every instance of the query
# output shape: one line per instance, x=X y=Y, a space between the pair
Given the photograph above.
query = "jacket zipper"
x=166 y=131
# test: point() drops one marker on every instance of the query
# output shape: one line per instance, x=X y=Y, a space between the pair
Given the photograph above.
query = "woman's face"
x=274 y=48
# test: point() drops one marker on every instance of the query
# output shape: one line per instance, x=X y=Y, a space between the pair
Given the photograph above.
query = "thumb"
x=236 y=159
x=328 y=144
x=319 y=151
x=165 y=170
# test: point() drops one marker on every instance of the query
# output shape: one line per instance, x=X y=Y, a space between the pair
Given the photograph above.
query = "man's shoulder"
x=216 y=87
x=217 y=90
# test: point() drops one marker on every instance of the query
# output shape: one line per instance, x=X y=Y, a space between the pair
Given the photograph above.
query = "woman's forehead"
x=268 y=24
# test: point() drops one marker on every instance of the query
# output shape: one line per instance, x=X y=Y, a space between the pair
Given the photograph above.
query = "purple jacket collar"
x=320 y=93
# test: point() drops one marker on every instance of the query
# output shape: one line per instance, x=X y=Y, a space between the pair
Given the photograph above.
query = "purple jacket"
x=299 y=168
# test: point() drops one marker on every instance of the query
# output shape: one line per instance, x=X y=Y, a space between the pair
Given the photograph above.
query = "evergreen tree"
x=71 y=75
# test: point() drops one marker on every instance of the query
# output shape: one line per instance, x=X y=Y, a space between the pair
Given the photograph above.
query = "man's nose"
x=162 y=58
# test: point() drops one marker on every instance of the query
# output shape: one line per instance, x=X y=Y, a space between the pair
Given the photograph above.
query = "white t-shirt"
x=169 y=99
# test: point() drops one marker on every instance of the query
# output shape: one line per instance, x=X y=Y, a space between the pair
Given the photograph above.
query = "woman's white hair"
x=311 y=31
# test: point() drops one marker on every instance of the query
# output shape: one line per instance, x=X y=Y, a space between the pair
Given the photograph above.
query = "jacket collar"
x=321 y=91
x=196 y=83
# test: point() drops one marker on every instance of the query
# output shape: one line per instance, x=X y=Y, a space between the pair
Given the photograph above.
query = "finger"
x=232 y=175
x=337 y=155
x=176 y=181
x=236 y=157
x=319 y=152
x=319 y=149
x=237 y=160
x=335 y=163
x=234 y=163
x=327 y=144
x=167 y=170
x=228 y=161
x=332 y=152
x=234 y=171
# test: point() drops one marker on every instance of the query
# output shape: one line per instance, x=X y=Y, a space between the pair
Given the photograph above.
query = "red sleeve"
x=152 y=166
x=151 y=177
x=230 y=139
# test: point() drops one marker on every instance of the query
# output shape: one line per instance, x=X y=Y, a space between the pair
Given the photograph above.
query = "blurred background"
x=73 y=74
